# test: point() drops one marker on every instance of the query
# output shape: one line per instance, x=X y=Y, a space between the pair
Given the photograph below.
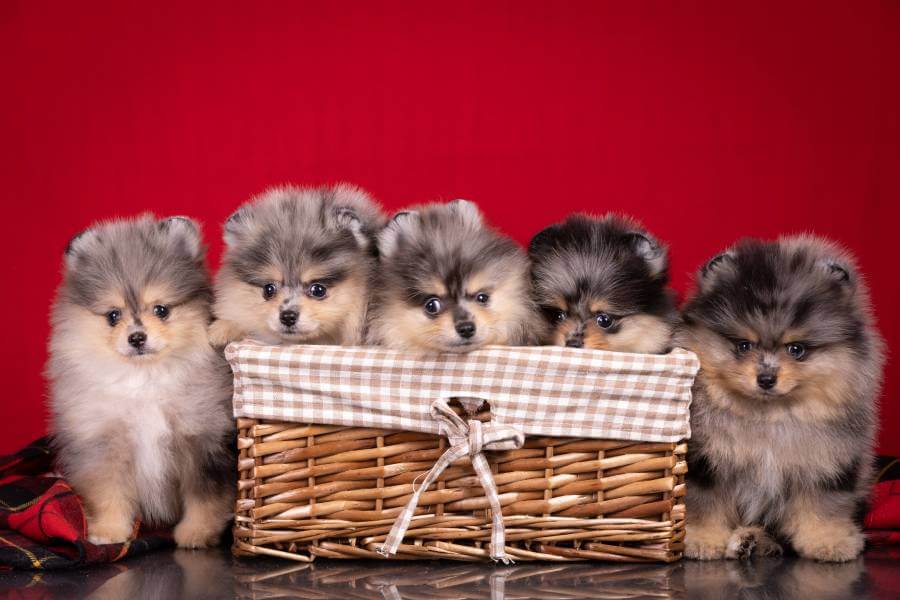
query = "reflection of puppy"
x=140 y=399
x=784 y=413
x=448 y=283
x=296 y=267
x=602 y=284
x=767 y=579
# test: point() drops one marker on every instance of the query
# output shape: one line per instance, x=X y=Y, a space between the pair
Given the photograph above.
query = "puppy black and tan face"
x=297 y=264
x=137 y=289
x=601 y=283
x=450 y=284
x=780 y=321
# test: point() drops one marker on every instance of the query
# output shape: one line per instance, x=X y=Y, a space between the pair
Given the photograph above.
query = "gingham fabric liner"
x=547 y=391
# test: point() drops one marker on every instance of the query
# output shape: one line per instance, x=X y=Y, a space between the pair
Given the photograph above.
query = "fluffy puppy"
x=297 y=266
x=449 y=283
x=784 y=412
x=140 y=400
x=601 y=283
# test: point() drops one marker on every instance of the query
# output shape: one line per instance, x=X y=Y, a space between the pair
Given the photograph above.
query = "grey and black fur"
x=297 y=267
x=784 y=410
x=602 y=283
x=140 y=400
x=449 y=283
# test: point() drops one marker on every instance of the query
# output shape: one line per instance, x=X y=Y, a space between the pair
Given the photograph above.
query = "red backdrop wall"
x=707 y=121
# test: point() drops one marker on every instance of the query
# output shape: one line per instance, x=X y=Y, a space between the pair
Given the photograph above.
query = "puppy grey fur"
x=140 y=400
x=449 y=283
x=601 y=283
x=297 y=267
x=784 y=410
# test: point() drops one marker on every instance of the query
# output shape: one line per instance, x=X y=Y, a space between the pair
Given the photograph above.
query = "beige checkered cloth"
x=549 y=391
x=546 y=391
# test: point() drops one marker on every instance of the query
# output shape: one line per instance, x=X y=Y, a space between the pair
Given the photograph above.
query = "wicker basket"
x=317 y=490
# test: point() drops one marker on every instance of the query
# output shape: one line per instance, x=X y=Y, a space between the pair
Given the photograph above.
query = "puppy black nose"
x=137 y=339
x=766 y=380
x=575 y=343
x=288 y=317
x=465 y=329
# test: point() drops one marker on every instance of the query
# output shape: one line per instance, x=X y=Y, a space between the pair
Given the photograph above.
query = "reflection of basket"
x=345 y=579
x=335 y=442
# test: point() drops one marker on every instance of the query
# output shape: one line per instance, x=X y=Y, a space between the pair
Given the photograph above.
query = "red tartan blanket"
x=42 y=522
x=883 y=519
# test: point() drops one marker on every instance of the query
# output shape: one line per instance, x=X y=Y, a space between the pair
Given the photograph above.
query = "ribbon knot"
x=475 y=437
x=466 y=438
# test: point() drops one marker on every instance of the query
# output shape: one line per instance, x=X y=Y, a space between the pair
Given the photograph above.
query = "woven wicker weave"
x=322 y=490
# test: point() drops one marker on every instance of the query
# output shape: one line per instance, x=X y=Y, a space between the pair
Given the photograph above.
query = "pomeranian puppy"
x=601 y=283
x=140 y=400
x=449 y=283
x=784 y=412
x=297 y=266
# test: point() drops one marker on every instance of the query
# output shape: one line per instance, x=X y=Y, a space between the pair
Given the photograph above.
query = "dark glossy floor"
x=175 y=574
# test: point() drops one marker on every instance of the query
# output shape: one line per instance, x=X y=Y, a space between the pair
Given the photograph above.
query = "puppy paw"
x=704 y=543
x=221 y=333
x=109 y=531
x=746 y=542
x=832 y=544
x=196 y=534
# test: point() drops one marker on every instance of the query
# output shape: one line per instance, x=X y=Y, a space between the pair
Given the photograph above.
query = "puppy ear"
x=79 y=243
x=389 y=238
x=654 y=254
x=715 y=268
x=237 y=224
x=346 y=219
x=543 y=240
x=839 y=271
x=468 y=211
x=185 y=233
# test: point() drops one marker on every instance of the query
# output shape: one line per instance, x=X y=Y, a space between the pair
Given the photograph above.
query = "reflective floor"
x=175 y=574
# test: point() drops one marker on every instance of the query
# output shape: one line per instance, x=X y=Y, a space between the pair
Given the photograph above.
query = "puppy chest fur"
x=150 y=418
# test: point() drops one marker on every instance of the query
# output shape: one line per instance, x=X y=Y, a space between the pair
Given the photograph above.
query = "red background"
x=705 y=120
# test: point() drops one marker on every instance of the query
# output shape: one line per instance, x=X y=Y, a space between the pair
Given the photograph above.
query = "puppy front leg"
x=110 y=505
x=203 y=521
x=208 y=486
x=706 y=538
x=821 y=528
x=707 y=530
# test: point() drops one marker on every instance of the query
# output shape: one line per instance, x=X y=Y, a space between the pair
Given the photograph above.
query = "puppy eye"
x=796 y=350
x=604 y=320
x=113 y=316
x=554 y=315
x=317 y=290
x=433 y=306
x=269 y=291
x=161 y=311
x=482 y=298
x=744 y=346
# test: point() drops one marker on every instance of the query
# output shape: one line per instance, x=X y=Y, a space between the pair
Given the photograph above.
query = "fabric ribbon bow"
x=465 y=437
